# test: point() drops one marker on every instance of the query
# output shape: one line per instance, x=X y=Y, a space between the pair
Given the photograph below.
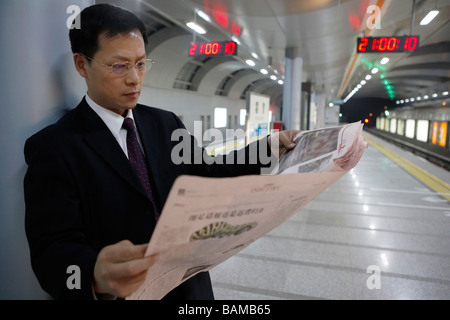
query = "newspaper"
x=324 y=150
x=207 y=220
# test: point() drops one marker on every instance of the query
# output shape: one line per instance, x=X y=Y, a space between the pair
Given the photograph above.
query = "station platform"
x=380 y=232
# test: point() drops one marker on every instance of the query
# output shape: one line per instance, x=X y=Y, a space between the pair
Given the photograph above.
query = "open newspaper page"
x=207 y=220
x=324 y=150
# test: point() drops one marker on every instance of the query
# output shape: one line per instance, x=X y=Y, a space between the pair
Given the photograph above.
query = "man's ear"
x=80 y=64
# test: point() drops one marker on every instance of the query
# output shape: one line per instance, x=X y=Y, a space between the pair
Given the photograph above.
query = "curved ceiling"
x=324 y=31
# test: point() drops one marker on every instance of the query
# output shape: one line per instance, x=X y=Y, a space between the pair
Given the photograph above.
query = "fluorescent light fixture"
x=254 y=55
x=425 y=97
x=203 y=15
x=250 y=62
x=445 y=93
x=196 y=27
x=430 y=16
x=280 y=82
x=434 y=95
x=273 y=77
x=264 y=71
x=384 y=60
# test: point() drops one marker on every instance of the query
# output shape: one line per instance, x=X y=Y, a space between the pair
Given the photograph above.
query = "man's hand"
x=283 y=141
x=121 y=268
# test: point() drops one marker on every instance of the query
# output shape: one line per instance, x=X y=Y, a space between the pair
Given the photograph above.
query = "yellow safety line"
x=422 y=175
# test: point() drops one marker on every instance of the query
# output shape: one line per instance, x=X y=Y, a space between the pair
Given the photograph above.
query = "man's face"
x=116 y=93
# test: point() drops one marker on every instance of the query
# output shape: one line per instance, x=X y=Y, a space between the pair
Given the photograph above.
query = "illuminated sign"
x=223 y=48
x=387 y=44
x=439 y=133
x=442 y=140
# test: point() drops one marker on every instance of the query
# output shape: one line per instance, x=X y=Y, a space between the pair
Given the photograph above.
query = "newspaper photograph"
x=322 y=150
x=205 y=221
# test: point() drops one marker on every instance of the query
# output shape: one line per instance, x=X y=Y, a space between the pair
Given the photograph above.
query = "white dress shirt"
x=114 y=123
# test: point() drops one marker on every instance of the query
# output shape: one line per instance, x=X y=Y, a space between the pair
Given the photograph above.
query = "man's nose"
x=133 y=76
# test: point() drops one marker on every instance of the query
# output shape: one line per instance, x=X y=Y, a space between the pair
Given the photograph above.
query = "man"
x=86 y=205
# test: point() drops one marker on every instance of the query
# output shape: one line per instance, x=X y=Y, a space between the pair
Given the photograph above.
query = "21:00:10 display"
x=387 y=44
x=213 y=48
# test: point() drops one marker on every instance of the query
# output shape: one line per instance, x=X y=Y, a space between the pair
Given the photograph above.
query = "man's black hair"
x=99 y=18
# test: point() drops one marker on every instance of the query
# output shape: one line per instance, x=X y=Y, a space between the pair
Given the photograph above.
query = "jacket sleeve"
x=255 y=158
x=61 y=258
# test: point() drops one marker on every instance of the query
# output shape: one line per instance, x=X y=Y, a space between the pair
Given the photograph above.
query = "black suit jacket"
x=82 y=195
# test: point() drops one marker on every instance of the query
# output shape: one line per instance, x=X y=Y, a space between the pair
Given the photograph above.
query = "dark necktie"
x=137 y=160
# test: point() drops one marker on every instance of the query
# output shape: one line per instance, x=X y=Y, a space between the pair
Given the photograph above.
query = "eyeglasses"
x=122 y=68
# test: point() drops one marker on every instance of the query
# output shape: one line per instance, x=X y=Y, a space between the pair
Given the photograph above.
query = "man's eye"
x=140 y=65
x=119 y=67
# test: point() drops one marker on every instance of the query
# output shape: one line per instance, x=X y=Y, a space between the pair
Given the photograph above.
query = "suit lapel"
x=101 y=140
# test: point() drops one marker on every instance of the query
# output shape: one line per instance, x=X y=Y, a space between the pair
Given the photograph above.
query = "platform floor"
x=378 y=225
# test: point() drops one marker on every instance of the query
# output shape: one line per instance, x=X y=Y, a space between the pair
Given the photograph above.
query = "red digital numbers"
x=392 y=44
x=230 y=47
x=387 y=44
x=213 y=48
x=362 y=44
x=192 y=49
x=411 y=43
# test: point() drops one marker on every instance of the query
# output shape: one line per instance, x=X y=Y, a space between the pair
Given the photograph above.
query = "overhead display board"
x=387 y=44
x=220 y=48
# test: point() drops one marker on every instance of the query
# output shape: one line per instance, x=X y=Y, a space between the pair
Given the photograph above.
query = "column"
x=292 y=89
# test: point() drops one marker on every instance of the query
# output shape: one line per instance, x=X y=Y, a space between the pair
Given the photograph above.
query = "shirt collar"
x=112 y=120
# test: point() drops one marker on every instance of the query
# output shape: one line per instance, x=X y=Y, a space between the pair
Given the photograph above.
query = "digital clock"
x=222 y=48
x=387 y=44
